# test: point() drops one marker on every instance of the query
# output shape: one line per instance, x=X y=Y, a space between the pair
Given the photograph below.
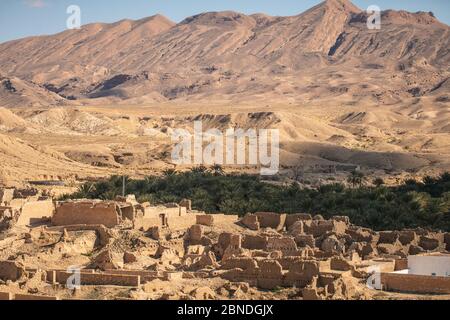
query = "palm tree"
x=428 y=180
x=445 y=177
x=85 y=190
x=297 y=172
x=217 y=170
x=169 y=172
x=200 y=169
x=356 y=178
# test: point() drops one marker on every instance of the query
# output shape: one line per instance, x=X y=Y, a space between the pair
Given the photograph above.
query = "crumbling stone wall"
x=388 y=237
x=87 y=212
x=244 y=263
x=26 y=193
x=205 y=219
x=401 y=264
x=174 y=223
x=332 y=245
x=127 y=211
x=304 y=240
x=251 y=221
x=254 y=242
x=227 y=239
x=287 y=262
x=169 y=211
x=35 y=212
x=175 y=218
x=104 y=234
x=225 y=219
x=6 y=195
x=344 y=219
x=101 y=279
x=195 y=234
x=408 y=237
x=415 y=283
x=432 y=241
x=146 y=224
x=286 y=245
x=292 y=218
x=8 y=216
x=271 y=220
x=340 y=263
x=447 y=241
x=320 y=227
x=187 y=204
x=302 y=273
x=270 y=275
x=6 y=296
x=33 y=297
x=361 y=234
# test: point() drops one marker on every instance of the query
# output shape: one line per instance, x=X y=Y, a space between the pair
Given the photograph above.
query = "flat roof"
x=432 y=254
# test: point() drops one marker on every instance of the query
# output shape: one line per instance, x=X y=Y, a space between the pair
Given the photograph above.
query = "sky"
x=21 y=18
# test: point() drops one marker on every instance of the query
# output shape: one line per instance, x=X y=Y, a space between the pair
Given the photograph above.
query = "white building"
x=429 y=265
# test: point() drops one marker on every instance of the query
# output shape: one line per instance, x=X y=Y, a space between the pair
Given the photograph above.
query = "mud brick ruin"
x=173 y=252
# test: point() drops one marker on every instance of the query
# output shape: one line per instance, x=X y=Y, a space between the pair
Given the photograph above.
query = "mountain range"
x=104 y=99
x=327 y=51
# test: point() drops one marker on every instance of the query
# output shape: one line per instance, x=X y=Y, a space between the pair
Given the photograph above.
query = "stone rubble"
x=166 y=252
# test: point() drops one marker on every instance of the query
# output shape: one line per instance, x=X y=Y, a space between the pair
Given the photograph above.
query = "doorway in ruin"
x=163 y=219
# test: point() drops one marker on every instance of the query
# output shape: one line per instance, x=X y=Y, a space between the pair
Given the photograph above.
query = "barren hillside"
x=109 y=96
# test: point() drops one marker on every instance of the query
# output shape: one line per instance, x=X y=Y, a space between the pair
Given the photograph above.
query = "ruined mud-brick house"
x=330 y=250
x=92 y=212
x=24 y=207
x=112 y=213
x=27 y=207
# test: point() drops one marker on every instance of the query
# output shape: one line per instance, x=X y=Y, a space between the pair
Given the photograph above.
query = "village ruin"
x=123 y=249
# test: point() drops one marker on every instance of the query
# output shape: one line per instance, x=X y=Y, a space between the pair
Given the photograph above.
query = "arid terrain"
x=105 y=99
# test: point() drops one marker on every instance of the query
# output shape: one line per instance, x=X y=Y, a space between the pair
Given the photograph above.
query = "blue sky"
x=21 y=18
